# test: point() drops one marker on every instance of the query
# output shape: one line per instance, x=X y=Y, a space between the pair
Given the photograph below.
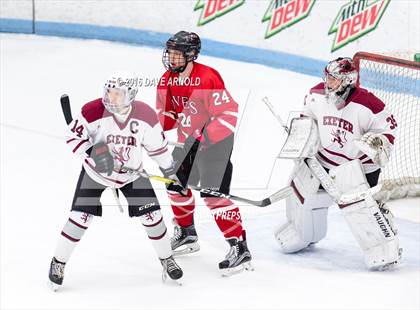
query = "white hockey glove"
x=376 y=146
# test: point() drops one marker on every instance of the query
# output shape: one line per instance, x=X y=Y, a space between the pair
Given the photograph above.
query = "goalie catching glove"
x=376 y=147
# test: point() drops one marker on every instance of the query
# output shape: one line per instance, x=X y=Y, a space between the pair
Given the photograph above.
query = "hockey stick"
x=277 y=196
x=331 y=188
x=275 y=114
x=176 y=144
x=66 y=108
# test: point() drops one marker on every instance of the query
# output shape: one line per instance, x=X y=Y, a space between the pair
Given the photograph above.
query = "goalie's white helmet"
x=340 y=76
x=126 y=84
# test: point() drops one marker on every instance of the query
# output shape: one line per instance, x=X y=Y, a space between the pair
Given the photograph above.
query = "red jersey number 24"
x=220 y=97
x=185 y=120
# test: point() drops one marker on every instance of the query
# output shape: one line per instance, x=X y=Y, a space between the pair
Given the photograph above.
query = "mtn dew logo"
x=284 y=13
x=355 y=19
x=211 y=9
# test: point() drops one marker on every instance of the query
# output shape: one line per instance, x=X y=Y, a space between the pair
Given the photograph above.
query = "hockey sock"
x=72 y=232
x=183 y=208
x=156 y=231
x=227 y=216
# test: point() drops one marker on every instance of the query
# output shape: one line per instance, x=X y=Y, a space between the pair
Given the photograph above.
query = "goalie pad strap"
x=296 y=191
x=342 y=206
x=303 y=182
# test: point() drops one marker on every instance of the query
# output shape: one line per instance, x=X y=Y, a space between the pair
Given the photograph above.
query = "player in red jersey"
x=192 y=98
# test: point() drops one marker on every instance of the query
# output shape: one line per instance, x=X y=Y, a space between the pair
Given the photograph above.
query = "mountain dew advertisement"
x=212 y=9
x=355 y=19
x=284 y=13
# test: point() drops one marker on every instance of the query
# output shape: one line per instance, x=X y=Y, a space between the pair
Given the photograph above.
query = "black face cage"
x=165 y=59
x=191 y=55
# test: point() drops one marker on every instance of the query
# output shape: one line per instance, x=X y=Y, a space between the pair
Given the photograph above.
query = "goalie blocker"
x=307 y=208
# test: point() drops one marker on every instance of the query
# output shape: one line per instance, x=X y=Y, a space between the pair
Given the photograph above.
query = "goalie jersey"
x=362 y=113
x=126 y=139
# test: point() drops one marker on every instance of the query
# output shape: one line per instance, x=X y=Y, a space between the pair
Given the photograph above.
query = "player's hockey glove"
x=376 y=146
x=104 y=163
x=180 y=179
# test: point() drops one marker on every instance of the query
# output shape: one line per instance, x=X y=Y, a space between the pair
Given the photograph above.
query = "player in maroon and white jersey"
x=192 y=98
x=346 y=113
x=356 y=133
x=109 y=134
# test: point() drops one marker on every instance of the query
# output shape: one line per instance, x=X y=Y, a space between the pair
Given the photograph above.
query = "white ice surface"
x=114 y=266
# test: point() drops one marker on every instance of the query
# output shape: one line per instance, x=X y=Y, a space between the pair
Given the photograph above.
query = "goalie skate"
x=184 y=240
x=238 y=258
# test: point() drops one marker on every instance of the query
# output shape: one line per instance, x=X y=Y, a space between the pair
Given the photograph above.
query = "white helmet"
x=124 y=81
x=342 y=69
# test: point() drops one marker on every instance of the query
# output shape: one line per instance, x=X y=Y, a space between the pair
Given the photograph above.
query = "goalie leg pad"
x=373 y=233
x=349 y=177
x=368 y=224
x=306 y=212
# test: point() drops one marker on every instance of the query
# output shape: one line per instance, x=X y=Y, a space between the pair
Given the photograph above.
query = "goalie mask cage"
x=397 y=83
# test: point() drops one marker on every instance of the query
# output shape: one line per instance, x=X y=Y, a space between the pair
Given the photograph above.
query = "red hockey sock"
x=227 y=216
x=183 y=208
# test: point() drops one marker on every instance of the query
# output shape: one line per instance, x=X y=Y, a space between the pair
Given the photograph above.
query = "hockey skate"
x=184 y=240
x=171 y=270
x=237 y=259
x=56 y=274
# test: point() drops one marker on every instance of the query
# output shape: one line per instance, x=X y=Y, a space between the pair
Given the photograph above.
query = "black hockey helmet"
x=188 y=43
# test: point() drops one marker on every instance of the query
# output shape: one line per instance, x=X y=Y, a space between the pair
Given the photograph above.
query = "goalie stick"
x=329 y=185
x=327 y=182
x=277 y=196
x=275 y=114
